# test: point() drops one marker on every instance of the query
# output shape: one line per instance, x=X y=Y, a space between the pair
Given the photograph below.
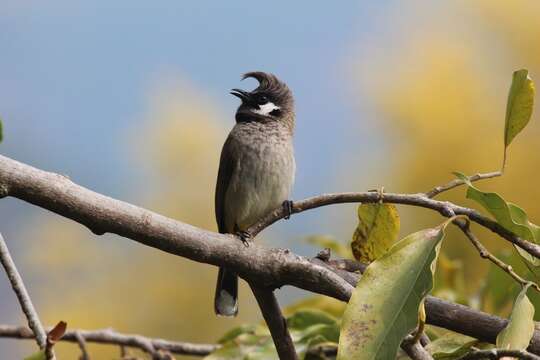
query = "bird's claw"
x=245 y=236
x=288 y=206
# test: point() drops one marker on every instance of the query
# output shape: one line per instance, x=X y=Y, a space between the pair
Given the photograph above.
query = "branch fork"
x=256 y=264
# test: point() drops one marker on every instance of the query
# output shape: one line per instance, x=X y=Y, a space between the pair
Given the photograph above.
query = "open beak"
x=243 y=95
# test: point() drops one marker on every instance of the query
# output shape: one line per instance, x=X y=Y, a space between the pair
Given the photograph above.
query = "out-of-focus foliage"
x=326 y=304
x=40 y=355
x=314 y=324
x=496 y=295
x=308 y=328
x=450 y=273
x=438 y=89
x=385 y=305
x=107 y=281
x=377 y=230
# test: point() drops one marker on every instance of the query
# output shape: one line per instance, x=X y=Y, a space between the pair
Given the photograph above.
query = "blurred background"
x=130 y=98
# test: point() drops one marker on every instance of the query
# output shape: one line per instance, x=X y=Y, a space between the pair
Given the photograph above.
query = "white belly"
x=260 y=183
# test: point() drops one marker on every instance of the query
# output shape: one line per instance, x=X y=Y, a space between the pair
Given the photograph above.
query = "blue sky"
x=76 y=76
x=75 y=79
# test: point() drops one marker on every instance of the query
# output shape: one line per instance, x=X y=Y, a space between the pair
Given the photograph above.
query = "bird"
x=256 y=170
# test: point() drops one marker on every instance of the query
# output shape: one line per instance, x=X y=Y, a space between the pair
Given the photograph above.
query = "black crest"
x=269 y=83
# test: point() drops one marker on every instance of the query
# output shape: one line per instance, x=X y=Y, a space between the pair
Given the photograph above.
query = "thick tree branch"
x=110 y=337
x=266 y=267
x=101 y=214
x=276 y=322
x=22 y=295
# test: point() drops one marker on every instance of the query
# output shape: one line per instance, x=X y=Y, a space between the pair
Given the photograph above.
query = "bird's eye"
x=261 y=100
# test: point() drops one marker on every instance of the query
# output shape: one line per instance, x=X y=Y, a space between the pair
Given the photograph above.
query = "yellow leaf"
x=377 y=230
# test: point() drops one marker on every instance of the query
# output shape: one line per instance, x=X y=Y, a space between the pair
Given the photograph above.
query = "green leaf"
x=508 y=215
x=519 y=106
x=384 y=306
x=520 y=329
x=325 y=241
x=377 y=230
x=40 y=355
x=450 y=346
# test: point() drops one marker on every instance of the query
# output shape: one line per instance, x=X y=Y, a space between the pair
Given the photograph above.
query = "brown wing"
x=227 y=164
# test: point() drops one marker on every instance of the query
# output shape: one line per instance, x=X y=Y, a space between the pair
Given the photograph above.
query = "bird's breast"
x=261 y=180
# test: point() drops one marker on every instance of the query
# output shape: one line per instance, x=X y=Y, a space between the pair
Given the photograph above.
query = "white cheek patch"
x=266 y=109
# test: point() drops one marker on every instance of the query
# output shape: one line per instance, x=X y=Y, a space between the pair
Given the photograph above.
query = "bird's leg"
x=288 y=206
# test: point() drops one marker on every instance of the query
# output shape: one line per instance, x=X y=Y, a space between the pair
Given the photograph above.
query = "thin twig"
x=22 y=295
x=49 y=352
x=485 y=254
x=82 y=346
x=123 y=352
x=445 y=208
x=111 y=337
x=498 y=354
x=457 y=182
x=276 y=322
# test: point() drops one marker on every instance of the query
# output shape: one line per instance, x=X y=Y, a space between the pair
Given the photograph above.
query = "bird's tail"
x=226 y=298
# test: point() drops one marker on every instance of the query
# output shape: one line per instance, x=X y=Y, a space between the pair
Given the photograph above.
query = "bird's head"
x=271 y=100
